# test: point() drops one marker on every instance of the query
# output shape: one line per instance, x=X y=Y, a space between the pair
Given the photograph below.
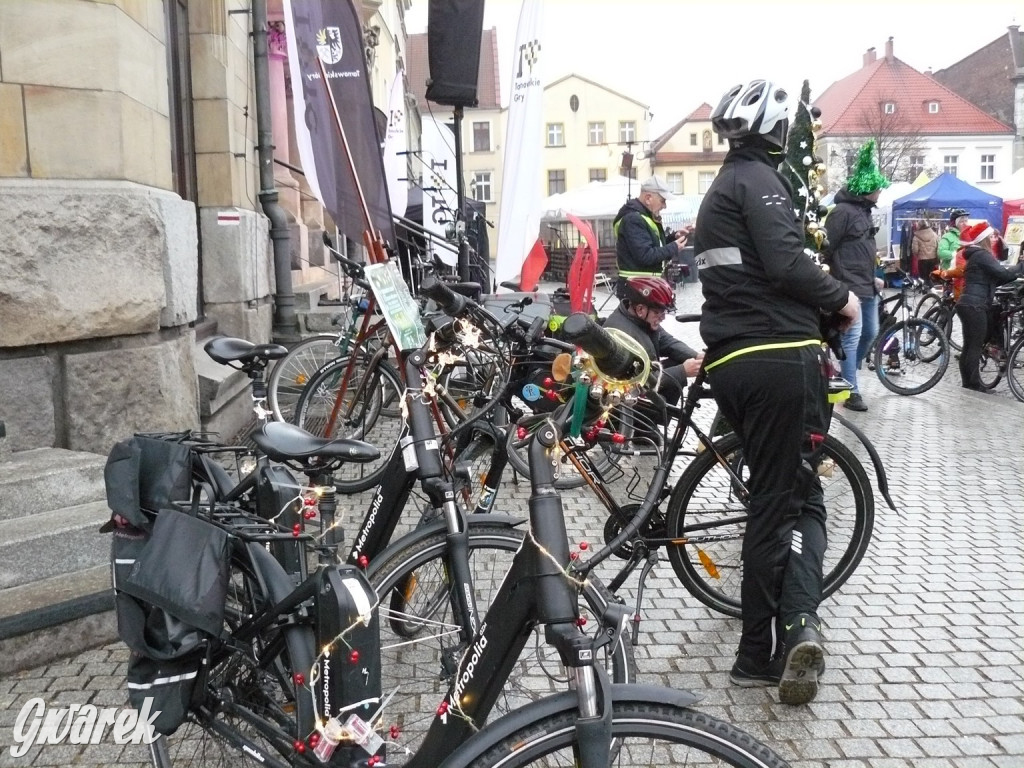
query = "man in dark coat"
x=641 y=246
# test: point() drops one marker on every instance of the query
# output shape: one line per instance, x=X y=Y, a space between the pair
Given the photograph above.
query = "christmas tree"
x=803 y=168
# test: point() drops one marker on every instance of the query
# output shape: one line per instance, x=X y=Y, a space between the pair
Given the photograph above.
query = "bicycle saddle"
x=285 y=442
x=225 y=349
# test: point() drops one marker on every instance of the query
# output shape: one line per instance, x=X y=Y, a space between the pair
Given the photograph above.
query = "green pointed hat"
x=866 y=177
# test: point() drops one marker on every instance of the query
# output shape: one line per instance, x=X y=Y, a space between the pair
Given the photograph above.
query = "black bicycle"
x=294 y=679
x=910 y=354
x=1004 y=356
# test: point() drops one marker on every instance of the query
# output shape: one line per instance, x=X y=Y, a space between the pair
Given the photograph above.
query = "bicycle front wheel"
x=357 y=398
x=1015 y=370
x=911 y=356
x=644 y=734
x=707 y=519
x=420 y=635
x=946 y=318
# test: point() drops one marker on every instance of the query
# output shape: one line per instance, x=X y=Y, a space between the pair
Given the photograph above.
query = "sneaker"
x=748 y=674
x=804 y=660
x=855 y=403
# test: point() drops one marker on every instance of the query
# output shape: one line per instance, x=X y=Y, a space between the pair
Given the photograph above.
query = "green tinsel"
x=866 y=178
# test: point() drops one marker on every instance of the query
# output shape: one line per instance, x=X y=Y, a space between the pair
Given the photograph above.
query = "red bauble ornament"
x=395 y=731
x=581 y=621
x=354 y=656
x=618 y=438
x=297 y=529
x=549 y=382
x=442 y=707
x=363 y=561
x=300 y=746
x=299 y=678
x=584 y=546
x=521 y=433
x=314 y=739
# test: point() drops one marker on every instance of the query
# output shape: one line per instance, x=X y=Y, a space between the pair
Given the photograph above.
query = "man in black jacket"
x=769 y=374
x=641 y=247
x=851 y=256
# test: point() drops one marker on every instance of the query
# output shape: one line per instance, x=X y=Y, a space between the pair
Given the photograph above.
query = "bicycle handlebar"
x=452 y=303
x=611 y=357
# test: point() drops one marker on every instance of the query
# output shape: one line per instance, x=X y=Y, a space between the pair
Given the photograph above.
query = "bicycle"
x=910 y=354
x=702 y=522
x=1004 y=356
x=266 y=693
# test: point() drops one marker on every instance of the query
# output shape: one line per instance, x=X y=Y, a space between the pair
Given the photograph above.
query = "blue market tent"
x=941 y=195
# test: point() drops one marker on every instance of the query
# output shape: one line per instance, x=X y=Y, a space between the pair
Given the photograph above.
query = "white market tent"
x=1012 y=188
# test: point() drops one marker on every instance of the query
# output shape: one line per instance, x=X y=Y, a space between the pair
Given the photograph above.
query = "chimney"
x=869 y=56
x=1016 y=49
x=888 y=49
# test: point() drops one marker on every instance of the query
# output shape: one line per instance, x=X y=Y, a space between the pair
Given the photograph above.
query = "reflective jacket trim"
x=719 y=257
x=650 y=223
x=629 y=273
x=761 y=347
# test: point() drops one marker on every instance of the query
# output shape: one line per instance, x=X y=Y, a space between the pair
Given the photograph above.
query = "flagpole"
x=346 y=147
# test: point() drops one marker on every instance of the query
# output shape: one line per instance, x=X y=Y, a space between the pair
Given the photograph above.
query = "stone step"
x=45 y=479
x=38 y=595
x=54 y=542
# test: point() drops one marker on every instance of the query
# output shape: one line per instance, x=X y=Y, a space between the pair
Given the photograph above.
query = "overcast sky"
x=675 y=54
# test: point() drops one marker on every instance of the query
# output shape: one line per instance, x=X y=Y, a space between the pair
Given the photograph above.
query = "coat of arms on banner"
x=328 y=45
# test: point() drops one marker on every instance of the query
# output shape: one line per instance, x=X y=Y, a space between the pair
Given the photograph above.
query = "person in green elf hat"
x=851 y=257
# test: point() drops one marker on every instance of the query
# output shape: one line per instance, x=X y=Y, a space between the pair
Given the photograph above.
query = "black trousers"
x=976 y=323
x=777 y=401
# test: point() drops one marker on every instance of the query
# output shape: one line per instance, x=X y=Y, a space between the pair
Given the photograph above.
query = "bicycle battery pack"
x=347 y=671
x=277 y=499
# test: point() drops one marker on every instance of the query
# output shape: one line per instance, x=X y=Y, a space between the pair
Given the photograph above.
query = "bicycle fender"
x=439 y=526
x=567 y=701
x=876 y=460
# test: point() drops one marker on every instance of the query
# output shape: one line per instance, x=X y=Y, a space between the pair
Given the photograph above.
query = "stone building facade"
x=130 y=220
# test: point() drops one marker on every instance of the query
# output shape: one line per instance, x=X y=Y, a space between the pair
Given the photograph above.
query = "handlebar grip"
x=536 y=329
x=613 y=359
x=452 y=303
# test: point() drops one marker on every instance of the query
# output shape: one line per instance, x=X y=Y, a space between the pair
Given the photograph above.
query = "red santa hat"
x=975 y=233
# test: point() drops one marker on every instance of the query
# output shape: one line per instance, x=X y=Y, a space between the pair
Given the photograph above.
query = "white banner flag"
x=440 y=198
x=396 y=167
x=519 y=216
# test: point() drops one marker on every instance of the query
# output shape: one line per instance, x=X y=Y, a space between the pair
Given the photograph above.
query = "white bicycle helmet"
x=756 y=108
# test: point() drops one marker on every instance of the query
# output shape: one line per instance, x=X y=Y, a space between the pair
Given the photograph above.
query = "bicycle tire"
x=1015 y=369
x=373 y=396
x=911 y=356
x=245 y=699
x=926 y=303
x=705 y=496
x=645 y=734
x=412 y=642
x=946 y=318
x=293 y=371
x=990 y=369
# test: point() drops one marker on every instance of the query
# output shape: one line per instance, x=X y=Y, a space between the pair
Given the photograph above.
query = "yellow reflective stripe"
x=760 y=347
x=650 y=223
x=624 y=273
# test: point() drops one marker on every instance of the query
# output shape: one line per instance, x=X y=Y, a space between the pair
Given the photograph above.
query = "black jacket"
x=851 y=251
x=640 y=240
x=659 y=344
x=982 y=275
x=759 y=286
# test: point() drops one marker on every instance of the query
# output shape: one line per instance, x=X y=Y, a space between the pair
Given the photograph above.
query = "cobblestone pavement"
x=925 y=642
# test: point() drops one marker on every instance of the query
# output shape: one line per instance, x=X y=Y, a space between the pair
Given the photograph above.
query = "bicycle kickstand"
x=652 y=560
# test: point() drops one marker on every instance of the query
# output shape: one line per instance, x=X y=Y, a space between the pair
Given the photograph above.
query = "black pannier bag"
x=169 y=576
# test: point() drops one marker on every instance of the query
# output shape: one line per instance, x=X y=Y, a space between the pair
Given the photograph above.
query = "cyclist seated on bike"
x=645 y=302
x=982 y=274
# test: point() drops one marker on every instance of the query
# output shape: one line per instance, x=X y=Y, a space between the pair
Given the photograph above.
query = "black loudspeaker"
x=454 y=28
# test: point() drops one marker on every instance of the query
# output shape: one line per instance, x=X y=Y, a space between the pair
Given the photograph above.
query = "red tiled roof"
x=853 y=106
x=488 y=86
x=703 y=112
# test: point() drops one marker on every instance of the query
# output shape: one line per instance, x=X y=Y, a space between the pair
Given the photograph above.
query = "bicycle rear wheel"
x=946 y=318
x=293 y=372
x=707 y=517
x=644 y=734
x=247 y=705
x=1015 y=370
x=911 y=356
x=990 y=367
x=419 y=635
x=369 y=410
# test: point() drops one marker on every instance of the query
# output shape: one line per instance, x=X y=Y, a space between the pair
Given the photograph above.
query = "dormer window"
x=933 y=107
x=889 y=108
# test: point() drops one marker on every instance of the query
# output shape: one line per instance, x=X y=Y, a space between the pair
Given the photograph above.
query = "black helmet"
x=957 y=213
